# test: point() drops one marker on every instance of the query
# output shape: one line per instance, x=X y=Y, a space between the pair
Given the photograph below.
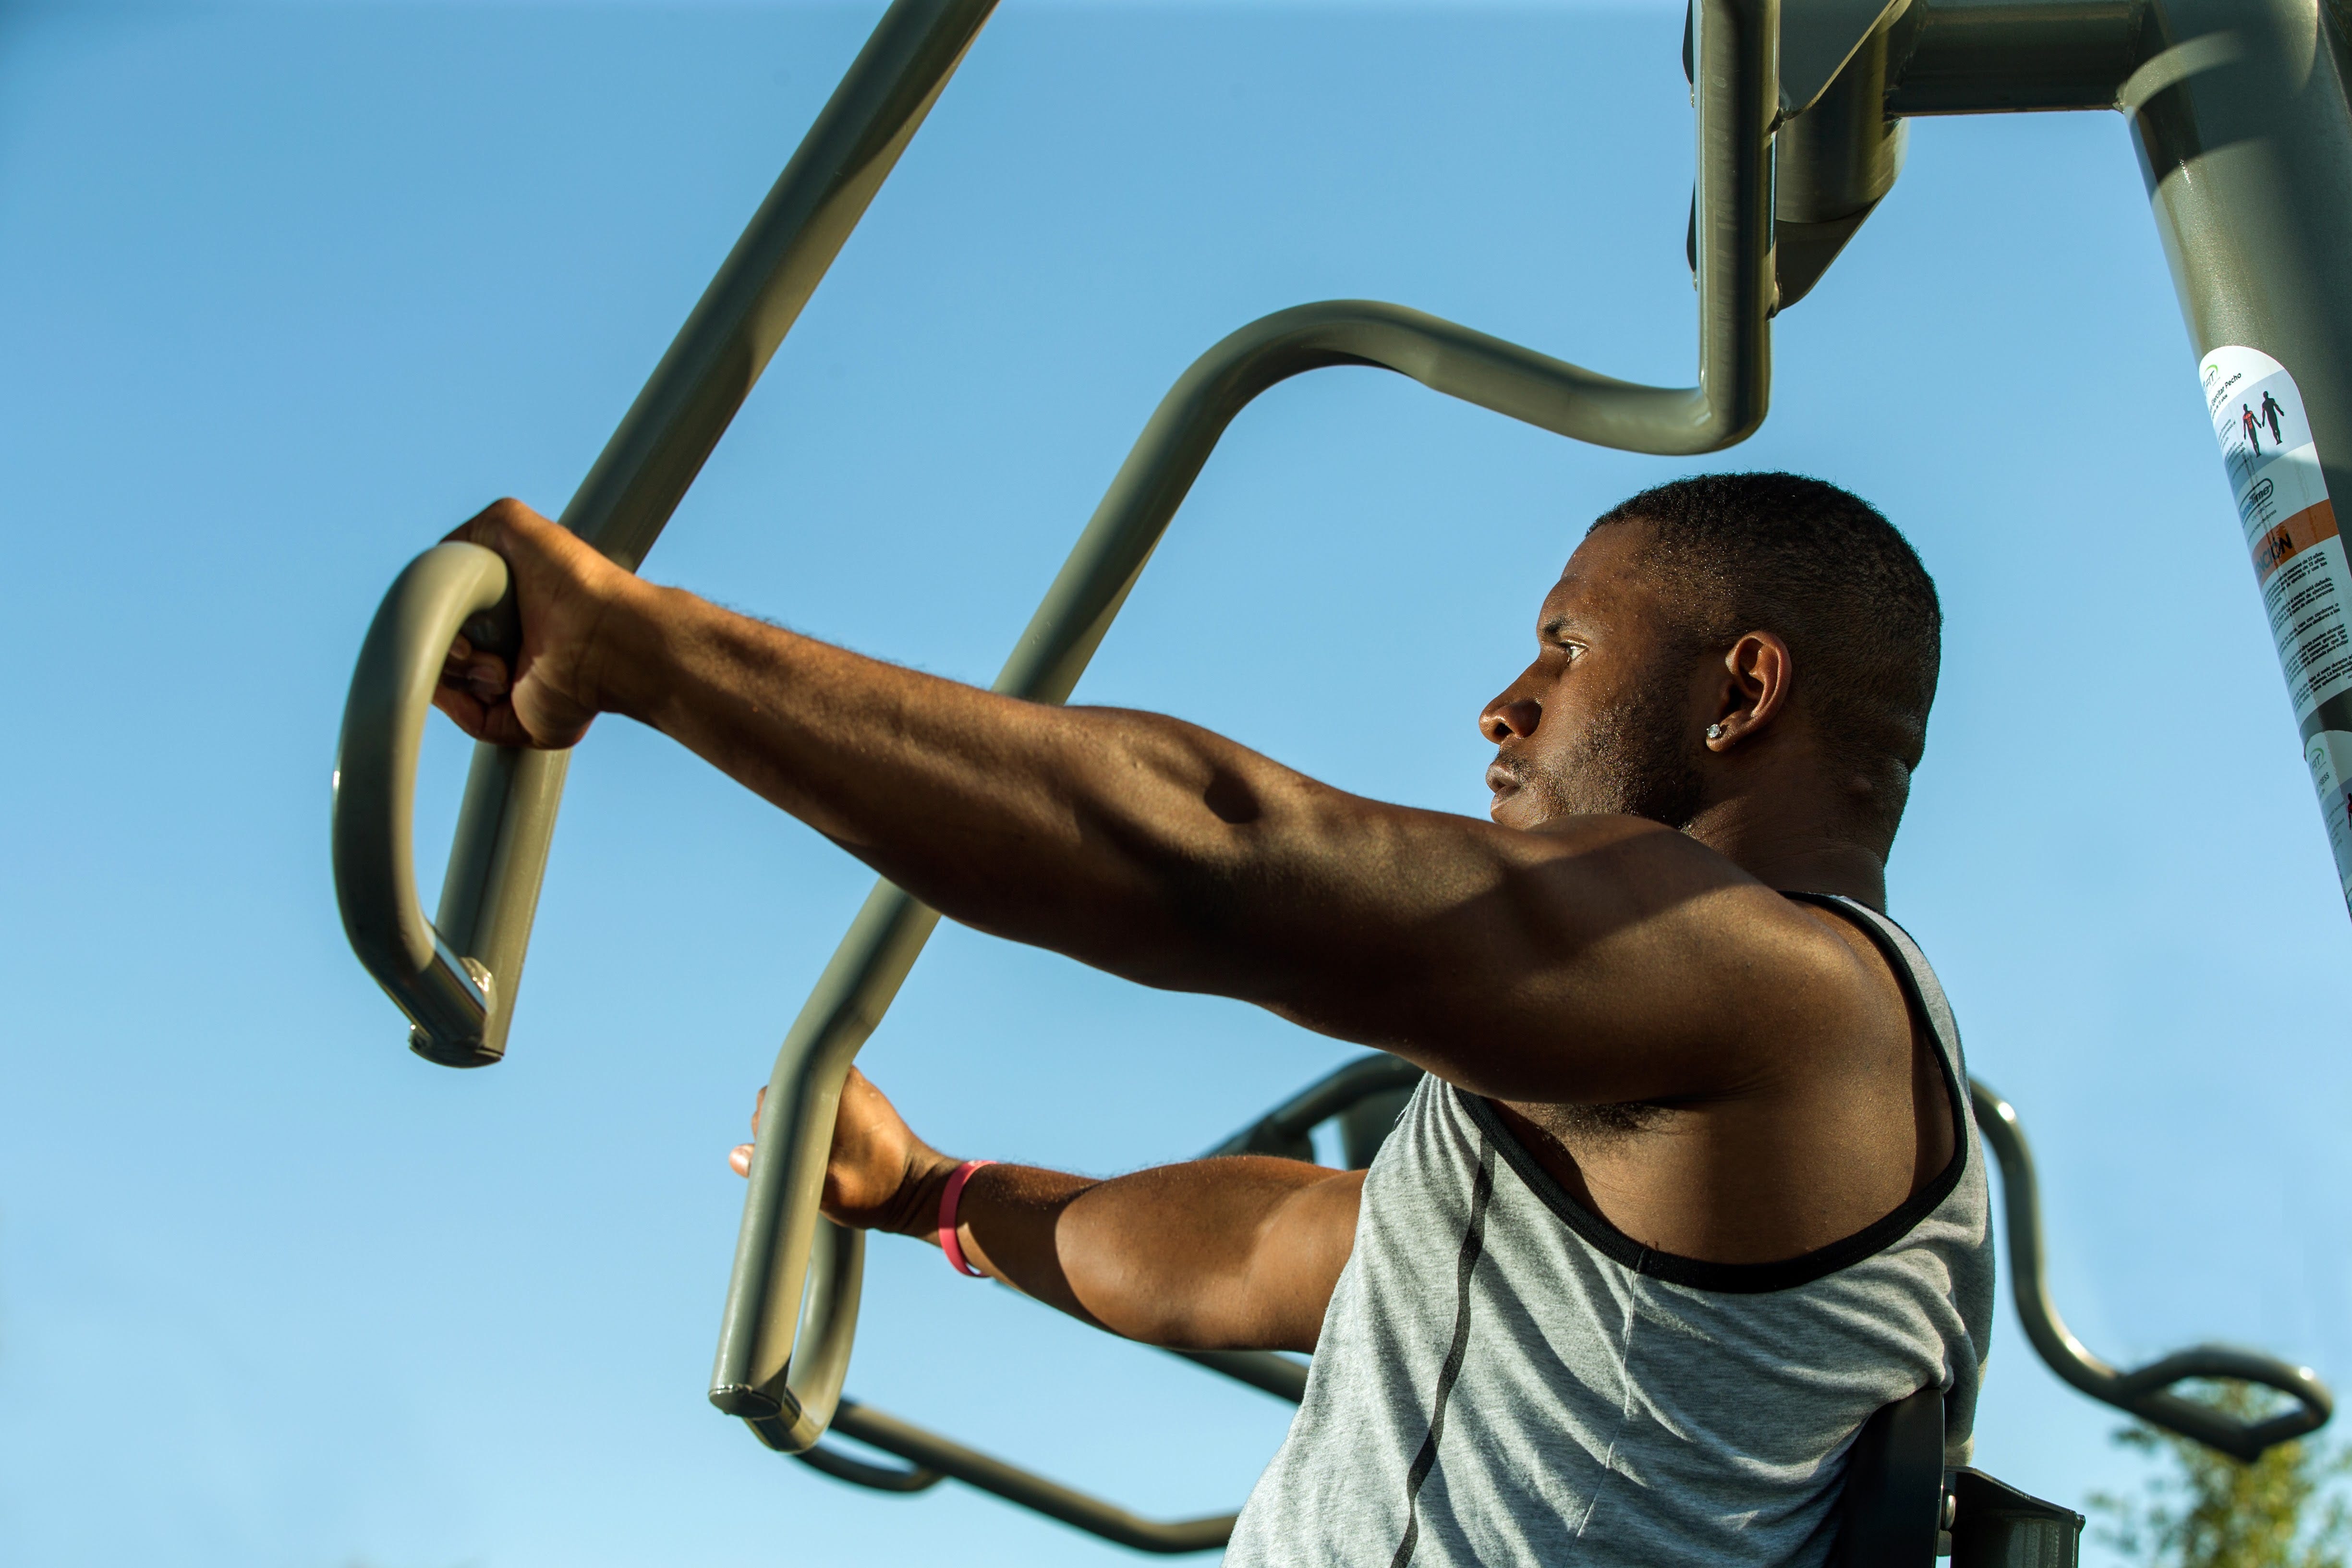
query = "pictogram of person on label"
x=2251 y=426
x=2272 y=409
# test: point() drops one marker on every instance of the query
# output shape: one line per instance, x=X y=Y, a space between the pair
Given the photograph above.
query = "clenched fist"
x=879 y=1177
x=565 y=593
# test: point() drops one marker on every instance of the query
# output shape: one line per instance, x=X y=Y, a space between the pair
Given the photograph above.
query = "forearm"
x=1226 y=1254
x=1119 y=838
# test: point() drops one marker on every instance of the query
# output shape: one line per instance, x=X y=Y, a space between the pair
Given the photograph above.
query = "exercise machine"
x=2243 y=127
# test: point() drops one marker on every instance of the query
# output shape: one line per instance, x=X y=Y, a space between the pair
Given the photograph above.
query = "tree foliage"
x=2287 y=1510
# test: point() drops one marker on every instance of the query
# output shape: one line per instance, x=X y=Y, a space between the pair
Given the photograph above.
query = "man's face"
x=1608 y=718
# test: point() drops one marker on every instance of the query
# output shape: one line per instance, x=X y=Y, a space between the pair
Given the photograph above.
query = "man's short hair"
x=1827 y=572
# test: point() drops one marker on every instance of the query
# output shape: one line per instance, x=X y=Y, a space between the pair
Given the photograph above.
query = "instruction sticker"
x=2298 y=557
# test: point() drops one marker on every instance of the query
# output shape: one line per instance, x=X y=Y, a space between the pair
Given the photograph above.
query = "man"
x=1692 y=1189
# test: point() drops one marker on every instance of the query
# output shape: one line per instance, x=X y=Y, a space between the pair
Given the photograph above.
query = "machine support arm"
x=1736 y=95
x=931 y=1454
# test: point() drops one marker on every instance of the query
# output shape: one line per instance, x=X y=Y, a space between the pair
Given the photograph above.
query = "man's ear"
x=1759 y=673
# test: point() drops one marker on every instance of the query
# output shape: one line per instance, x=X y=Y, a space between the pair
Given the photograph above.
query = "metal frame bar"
x=1284 y=1130
x=2143 y=1392
x=457 y=975
x=930 y=1451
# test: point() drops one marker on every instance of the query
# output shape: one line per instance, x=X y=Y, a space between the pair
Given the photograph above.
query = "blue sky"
x=286 y=291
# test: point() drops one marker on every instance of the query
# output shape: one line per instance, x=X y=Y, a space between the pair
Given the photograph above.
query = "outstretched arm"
x=1229 y=1254
x=1604 y=959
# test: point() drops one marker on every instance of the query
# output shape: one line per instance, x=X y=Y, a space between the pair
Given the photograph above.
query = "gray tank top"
x=1504 y=1378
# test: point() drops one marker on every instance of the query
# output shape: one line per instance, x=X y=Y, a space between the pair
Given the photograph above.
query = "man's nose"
x=1509 y=716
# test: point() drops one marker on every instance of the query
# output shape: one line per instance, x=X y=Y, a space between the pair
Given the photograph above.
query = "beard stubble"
x=1633 y=759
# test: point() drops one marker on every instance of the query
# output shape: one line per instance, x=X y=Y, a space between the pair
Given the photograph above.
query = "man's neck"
x=1794 y=856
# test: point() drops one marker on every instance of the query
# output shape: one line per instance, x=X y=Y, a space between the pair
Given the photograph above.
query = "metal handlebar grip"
x=455 y=975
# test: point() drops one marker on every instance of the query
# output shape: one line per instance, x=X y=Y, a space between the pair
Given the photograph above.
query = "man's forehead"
x=1599 y=576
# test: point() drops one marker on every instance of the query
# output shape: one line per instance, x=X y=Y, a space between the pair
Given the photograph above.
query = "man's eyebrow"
x=1553 y=628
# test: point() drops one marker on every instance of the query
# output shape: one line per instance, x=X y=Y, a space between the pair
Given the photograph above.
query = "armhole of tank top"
x=1788 y=1273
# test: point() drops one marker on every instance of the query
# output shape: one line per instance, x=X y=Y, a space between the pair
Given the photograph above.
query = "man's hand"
x=564 y=589
x=879 y=1177
x=1239 y=1253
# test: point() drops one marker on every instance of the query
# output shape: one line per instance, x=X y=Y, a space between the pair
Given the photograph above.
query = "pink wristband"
x=949 y=1195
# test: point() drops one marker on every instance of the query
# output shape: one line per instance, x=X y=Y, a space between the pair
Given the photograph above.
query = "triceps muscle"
x=1237 y=1253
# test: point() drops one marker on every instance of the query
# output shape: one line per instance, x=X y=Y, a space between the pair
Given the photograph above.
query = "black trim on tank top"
x=1474 y=1243
x=1788 y=1273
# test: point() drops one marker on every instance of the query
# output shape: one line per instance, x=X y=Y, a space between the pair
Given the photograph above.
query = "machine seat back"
x=1902 y=1509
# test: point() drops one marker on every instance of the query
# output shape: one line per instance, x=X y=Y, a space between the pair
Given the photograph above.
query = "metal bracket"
x=1817 y=38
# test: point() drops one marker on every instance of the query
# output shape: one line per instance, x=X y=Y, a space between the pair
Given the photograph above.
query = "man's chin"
x=1516 y=807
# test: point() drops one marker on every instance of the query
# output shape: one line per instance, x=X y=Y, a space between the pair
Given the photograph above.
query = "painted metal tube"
x=1735 y=94
x=507 y=821
x=644 y=471
x=2144 y=1392
x=1285 y=1130
x=754 y=1376
x=430 y=971
x=2244 y=133
x=899 y=1479
x=2239 y=113
x=930 y=1451
x=1994 y=57
x=828 y=1326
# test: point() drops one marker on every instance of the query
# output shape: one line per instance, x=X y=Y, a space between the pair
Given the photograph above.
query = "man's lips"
x=1501 y=776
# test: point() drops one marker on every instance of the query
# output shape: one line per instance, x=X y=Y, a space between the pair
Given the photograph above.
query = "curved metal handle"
x=2144 y=1392
x=454 y=976
x=461 y=999
x=1286 y=1130
x=828 y=1325
x=774 y=1301
x=841 y=1467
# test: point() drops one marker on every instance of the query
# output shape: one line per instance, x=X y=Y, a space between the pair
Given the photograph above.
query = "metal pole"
x=2239 y=117
x=456 y=978
x=2245 y=139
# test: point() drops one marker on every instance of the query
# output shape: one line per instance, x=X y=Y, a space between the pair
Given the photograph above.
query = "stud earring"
x=1715 y=731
